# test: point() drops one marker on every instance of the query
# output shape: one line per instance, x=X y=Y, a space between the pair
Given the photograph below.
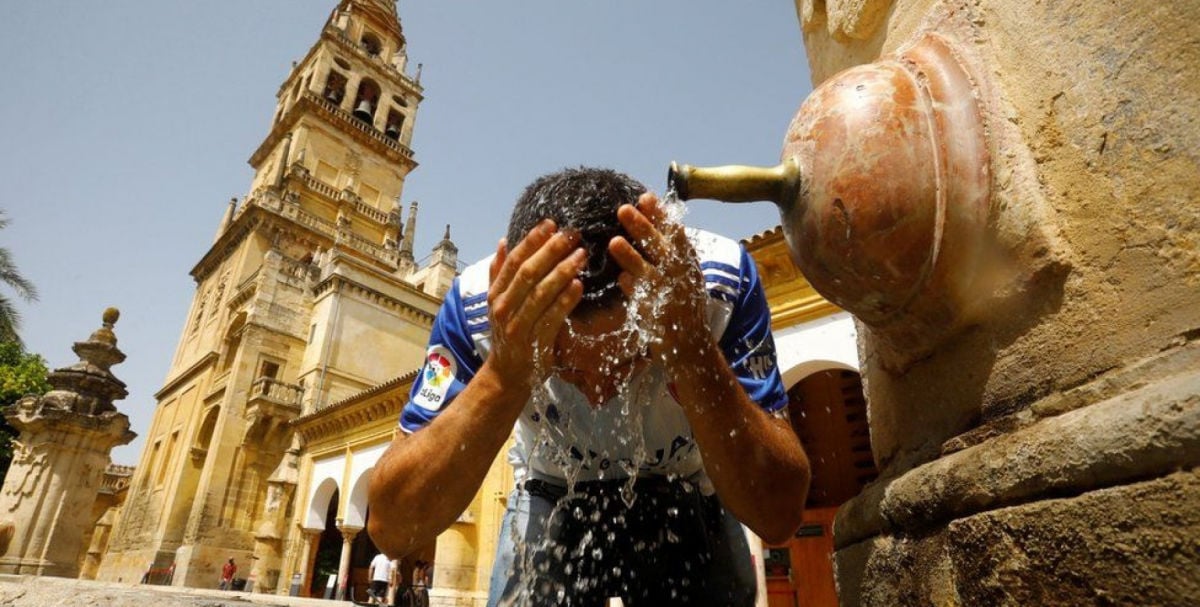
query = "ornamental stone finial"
x=105 y=333
x=66 y=438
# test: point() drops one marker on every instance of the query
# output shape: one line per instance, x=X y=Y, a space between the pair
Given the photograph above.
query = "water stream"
x=637 y=387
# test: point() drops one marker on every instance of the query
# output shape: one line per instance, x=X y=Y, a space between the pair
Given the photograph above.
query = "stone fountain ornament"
x=1010 y=216
x=60 y=457
x=883 y=193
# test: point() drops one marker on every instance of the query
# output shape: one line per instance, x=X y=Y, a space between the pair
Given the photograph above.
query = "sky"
x=127 y=125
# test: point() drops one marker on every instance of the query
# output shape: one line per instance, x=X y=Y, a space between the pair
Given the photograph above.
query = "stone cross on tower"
x=59 y=459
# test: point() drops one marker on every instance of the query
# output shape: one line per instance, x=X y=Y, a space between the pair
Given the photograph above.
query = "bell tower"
x=308 y=295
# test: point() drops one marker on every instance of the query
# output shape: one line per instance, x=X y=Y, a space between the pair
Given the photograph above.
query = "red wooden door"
x=828 y=413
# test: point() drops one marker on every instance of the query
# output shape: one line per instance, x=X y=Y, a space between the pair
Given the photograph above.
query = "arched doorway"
x=362 y=550
x=829 y=413
x=329 y=552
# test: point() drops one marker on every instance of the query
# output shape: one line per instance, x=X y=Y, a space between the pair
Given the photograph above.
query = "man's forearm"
x=425 y=480
x=755 y=462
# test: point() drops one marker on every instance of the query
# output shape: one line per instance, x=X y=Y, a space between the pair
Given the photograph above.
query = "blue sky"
x=127 y=125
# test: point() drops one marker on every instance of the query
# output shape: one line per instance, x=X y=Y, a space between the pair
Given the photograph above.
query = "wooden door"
x=828 y=413
x=812 y=560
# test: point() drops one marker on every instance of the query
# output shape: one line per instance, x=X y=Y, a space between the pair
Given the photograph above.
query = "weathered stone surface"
x=1139 y=434
x=1091 y=116
x=1137 y=544
x=60 y=457
x=1132 y=545
x=860 y=517
x=1134 y=433
x=891 y=571
x=1094 y=149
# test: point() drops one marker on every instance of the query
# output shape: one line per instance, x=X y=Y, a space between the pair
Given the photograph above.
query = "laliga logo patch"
x=436 y=378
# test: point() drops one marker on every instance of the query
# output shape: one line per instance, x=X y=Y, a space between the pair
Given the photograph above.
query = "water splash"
x=640 y=333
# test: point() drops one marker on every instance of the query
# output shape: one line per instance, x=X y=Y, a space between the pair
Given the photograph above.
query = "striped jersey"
x=642 y=430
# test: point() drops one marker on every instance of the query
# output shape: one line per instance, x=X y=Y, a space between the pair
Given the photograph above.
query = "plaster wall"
x=825 y=343
x=361 y=465
x=331 y=468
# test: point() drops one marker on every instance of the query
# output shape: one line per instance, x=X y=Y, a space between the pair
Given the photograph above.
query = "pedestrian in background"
x=227 y=573
x=380 y=574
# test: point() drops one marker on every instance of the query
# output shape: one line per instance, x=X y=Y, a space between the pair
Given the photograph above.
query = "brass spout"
x=779 y=184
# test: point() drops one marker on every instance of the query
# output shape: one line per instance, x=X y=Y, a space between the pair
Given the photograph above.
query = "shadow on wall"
x=939 y=411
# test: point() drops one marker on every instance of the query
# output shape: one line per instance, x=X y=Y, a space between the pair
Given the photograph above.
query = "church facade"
x=309 y=294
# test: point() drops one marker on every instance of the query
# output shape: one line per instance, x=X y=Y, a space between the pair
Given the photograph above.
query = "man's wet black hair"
x=585 y=199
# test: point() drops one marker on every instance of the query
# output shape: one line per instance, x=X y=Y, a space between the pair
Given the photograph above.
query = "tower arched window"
x=370 y=43
x=335 y=87
x=233 y=340
x=366 y=101
x=203 y=439
x=395 y=122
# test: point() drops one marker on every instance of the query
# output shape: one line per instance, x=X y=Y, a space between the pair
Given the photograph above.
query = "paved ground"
x=29 y=591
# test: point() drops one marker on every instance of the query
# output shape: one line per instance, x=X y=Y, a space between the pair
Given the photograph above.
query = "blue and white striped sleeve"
x=747 y=341
x=451 y=361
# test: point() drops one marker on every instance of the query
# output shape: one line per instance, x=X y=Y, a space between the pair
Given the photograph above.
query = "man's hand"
x=420 y=485
x=532 y=290
x=705 y=387
x=665 y=281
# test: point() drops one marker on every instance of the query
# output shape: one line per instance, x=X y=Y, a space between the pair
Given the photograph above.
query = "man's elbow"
x=784 y=523
x=780 y=530
x=382 y=525
x=386 y=538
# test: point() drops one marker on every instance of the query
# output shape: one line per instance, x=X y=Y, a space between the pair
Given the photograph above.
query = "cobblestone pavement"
x=31 y=591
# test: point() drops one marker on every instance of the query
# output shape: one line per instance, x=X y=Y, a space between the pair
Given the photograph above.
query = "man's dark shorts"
x=672 y=546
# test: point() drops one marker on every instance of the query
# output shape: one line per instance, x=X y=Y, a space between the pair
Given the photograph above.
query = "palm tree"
x=10 y=318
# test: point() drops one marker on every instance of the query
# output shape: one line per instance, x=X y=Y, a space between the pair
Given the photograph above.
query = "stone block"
x=1136 y=544
x=1132 y=545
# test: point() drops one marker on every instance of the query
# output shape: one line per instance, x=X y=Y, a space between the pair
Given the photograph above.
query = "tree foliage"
x=21 y=373
x=10 y=318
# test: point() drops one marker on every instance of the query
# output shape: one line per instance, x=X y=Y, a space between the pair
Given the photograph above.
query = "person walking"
x=379 y=574
x=394 y=583
x=420 y=584
x=227 y=573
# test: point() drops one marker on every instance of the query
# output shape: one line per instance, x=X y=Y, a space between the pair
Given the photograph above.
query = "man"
x=635 y=359
x=394 y=583
x=379 y=573
x=227 y=572
x=420 y=584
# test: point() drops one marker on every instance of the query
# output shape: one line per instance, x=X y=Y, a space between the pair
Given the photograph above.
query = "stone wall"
x=1044 y=453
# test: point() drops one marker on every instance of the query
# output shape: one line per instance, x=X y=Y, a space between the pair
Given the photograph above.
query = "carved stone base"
x=1129 y=545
